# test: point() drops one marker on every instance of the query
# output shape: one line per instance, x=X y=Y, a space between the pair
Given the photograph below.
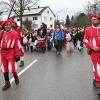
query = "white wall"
x=36 y=23
x=46 y=18
x=40 y=19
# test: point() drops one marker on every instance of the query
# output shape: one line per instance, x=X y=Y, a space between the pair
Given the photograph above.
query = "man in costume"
x=92 y=42
x=10 y=53
x=19 y=31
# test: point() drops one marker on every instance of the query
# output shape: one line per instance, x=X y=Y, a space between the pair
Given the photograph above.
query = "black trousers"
x=6 y=76
x=58 y=45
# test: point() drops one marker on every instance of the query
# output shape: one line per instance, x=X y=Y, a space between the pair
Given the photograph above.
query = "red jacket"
x=92 y=37
x=10 y=41
x=19 y=31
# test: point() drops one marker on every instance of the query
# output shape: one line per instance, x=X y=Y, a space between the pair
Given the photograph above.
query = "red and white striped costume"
x=19 y=31
x=10 y=46
x=92 y=39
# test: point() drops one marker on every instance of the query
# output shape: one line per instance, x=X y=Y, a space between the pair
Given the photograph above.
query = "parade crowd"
x=46 y=38
x=14 y=42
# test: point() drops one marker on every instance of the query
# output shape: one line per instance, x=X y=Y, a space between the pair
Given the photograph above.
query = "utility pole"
x=21 y=12
x=95 y=8
x=89 y=8
x=57 y=15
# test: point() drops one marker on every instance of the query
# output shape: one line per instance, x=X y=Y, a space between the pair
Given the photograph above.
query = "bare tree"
x=19 y=6
x=93 y=7
x=97 y=6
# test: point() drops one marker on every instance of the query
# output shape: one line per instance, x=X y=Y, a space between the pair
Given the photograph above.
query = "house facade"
x=37 y=16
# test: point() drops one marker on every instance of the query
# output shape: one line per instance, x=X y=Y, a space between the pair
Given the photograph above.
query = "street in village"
x=53 y=77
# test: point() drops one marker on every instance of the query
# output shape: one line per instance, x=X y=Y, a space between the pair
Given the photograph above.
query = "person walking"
x=19 y=31
x=10 y=53
x=92 y=42
x=58 y=37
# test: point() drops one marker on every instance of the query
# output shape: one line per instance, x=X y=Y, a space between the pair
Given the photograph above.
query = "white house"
x=37 y=16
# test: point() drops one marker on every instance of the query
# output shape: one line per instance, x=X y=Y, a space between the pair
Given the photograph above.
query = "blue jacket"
x=58 y=35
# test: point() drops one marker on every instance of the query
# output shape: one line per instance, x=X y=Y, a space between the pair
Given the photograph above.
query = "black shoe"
x=95 y=85
x=21 y=64
x=94 y=82
x=6 y=86
x=16 y=80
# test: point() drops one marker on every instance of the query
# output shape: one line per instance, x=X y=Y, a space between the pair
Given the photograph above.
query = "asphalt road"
x=53 y=77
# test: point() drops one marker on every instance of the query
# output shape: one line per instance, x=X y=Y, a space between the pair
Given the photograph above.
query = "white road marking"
x=26 y=68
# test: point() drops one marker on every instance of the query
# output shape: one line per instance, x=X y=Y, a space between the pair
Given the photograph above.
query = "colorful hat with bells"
x=6 y=22
x=95 y=16
x=13 y=22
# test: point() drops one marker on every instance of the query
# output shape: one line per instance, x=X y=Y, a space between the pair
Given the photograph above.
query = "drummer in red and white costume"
x=10 y=53
x=92 y=43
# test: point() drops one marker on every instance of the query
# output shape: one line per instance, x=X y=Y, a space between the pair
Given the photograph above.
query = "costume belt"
x=6 y=48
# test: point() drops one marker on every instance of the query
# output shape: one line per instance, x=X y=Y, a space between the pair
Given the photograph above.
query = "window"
x=45 y=18
x=18 y=19
x=50 y=18
x=51 y=25
x=48 y=12
x=35 y=18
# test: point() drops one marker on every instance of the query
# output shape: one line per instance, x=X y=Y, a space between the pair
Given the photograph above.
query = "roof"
x=36 y=11
x=32 y=11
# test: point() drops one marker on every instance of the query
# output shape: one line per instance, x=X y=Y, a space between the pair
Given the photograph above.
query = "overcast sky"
x=64 y=7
